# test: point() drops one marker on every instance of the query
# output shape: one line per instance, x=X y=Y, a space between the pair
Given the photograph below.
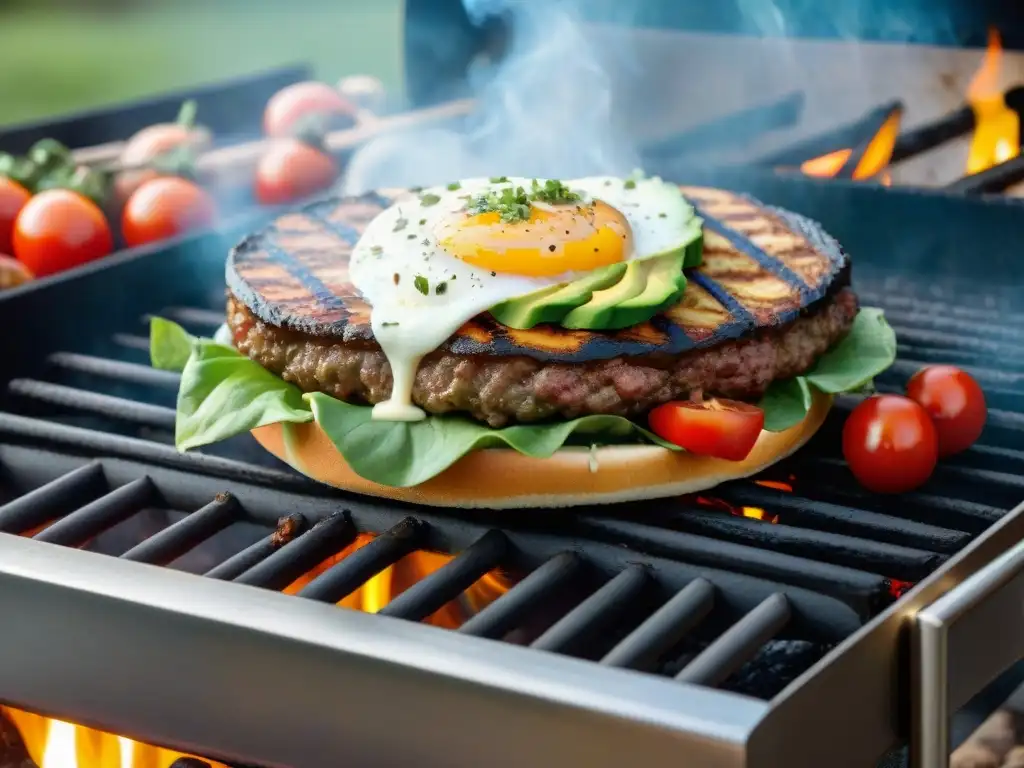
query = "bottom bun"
x=504 y=479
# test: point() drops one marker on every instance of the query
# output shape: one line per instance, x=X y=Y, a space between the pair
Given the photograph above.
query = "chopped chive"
x=400 y=225
x=454 y=186
x=630 y=184
x=429 y=199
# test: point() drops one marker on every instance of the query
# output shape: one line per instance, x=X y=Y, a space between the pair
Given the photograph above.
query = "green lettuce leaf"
x=850 y=366
x=223 y=393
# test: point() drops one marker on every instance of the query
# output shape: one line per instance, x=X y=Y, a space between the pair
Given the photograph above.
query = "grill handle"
x=980 y=625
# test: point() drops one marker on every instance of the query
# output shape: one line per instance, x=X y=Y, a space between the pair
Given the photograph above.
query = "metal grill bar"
x=186 y=534
x=115 y=369
x=341 y=580
x=96 y=517
x=53 y=499
x=508 y=611
x=860 y=589
x=301 y=554
x=822 y=516
x=191 y=316
x=131 y=341
x=667 y=626
x=94 y=402
x=836 y=548
x=449 y=581
x=595 y=613
x=249 y=557
x=738 y=643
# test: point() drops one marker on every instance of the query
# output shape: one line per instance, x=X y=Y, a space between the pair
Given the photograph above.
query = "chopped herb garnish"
x=498 y=179
x=376 y=250
x=553 y=192
x=422 y=222
x=429 y=199
x=663 y=215
x=411 y=237
x=400 y=225
x=630 y=184
x=440 y=288
x=513 y=203
x=390 y=325
x=415 y=190
x=454 y=186
x=421 y=284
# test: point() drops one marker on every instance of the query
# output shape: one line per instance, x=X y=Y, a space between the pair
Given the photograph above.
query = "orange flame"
x=55 y=743
x=873 y=162
x=997 y=131
x=58 y=744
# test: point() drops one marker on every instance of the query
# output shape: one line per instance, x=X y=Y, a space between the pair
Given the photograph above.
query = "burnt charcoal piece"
x=12 y=749
x=776 y=665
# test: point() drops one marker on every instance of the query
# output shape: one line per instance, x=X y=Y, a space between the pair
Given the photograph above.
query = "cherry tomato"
x=59 y=229
x=292 y=105
x=726 y=429
x=12 y=273
x=291 y=170
x=890 y=444
x=166 y=207
x=147 y=145
x=13 y=197
x=954 y=401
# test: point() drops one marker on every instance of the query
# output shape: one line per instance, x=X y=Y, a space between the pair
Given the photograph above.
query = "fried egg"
x=430 y=263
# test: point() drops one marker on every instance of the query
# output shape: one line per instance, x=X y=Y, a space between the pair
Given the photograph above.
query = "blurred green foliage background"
x=62 y=55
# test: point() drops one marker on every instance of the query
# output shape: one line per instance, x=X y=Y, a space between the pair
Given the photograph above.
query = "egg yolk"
x=552 y=241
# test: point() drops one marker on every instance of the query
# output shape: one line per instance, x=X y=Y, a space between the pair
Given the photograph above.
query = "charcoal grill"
x=644 y=633
x=147 y=585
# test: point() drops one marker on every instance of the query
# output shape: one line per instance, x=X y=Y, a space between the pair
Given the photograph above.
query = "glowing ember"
x=872 y=162
x=997 y=132
x=759 y=514
x=776 y=484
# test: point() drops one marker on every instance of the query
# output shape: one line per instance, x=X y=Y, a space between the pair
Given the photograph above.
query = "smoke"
x=545 y=110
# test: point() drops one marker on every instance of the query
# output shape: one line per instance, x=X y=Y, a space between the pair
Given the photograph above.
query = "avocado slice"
x=596 y=312
x=664 y=287
x=550 y=305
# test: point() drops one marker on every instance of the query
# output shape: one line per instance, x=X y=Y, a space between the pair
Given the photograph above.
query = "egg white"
x=420 y=295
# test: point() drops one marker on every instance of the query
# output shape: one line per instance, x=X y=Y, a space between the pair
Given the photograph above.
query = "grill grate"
x=681 y=588
x=578 y=596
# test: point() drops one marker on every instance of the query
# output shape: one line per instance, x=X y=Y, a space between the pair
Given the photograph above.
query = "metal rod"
x=922 y=138
x=738 y=644
x=841 y=137
x=996 y=179
x=192 y=315
x=301 y=554
x=449 y=581
x=507 y=612
x=97 y=516
x=642 y=648
x=131 y=341
x=115 y=369
x=242 y=561
x=794 y=509
x=49 y=501
x=94 y=402
x=175 y=540
x=595 y=613
x=356 y=569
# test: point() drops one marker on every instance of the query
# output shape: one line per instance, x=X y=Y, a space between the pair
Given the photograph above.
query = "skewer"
x=238 y=161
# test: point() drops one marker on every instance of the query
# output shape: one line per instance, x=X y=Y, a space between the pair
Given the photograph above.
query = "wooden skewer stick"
x=236 y=164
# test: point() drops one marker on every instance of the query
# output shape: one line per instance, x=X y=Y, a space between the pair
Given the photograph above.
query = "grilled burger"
x=501 y=342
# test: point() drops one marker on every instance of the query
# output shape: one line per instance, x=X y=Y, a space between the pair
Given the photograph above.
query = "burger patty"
x=503 y=390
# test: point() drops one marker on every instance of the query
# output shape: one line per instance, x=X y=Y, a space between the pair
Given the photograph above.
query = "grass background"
x=57 y=57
